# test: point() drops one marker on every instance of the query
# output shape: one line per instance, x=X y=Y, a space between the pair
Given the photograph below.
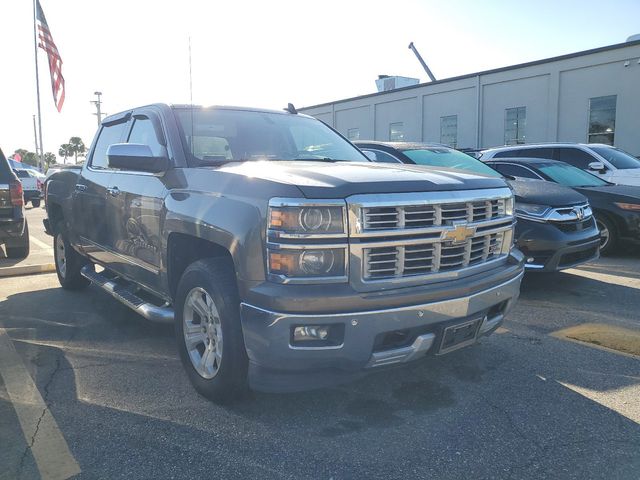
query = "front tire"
x=608 y=235
x=68 y=262
x=208 y=330
x=19 y=249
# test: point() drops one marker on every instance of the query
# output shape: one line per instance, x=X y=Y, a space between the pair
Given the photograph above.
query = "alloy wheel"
x=61 y=256
x=202 y=331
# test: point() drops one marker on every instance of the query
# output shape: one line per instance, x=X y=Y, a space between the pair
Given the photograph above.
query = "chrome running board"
x=124 y=295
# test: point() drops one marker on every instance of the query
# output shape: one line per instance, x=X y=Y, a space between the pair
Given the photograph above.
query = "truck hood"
x=540 y=192
x=342 y=179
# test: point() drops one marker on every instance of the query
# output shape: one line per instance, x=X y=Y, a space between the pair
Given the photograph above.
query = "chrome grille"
x=424 y=216
x=425 y=258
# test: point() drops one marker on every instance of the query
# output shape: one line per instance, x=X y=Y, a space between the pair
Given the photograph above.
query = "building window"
x=449 y=130
x=515 y=122
x=602 y=119
x=396 y=132
x=353 y=134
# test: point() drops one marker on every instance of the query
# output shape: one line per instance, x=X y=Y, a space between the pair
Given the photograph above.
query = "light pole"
x=98 y=103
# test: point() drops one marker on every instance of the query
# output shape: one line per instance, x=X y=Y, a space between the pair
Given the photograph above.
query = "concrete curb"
x=27 y=270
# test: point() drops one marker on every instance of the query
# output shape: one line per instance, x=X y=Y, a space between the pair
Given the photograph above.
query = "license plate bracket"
x=459 y=335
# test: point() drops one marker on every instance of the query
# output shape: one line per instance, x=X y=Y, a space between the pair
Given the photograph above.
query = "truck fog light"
x=317 y=335
x=310 y=333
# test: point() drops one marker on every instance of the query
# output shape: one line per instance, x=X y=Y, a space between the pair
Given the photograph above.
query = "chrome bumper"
x=267 y=334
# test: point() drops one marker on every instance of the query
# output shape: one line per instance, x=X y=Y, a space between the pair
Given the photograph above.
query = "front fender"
x=233 y=222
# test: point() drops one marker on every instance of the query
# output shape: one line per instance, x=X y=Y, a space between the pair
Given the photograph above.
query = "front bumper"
x=549 y=249
x=276 y=365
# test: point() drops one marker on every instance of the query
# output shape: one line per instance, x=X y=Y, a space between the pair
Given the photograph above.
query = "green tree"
x=65 y=151
x=49 y=158
x=27 y=157
x=77 y=147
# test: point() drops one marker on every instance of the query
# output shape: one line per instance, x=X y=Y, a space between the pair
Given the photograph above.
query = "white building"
x=590 y=96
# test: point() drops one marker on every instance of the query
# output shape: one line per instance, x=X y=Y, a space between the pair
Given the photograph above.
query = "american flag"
x=45 y=42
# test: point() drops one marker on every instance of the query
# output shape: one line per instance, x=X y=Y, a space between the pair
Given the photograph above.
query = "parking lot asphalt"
x=527 y=402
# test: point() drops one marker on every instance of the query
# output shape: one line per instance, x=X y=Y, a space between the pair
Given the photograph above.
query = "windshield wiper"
x=318 y=159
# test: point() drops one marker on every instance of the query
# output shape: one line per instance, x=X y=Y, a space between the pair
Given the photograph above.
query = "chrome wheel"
x=61 y=256
x=605 y=234
x=202 y=332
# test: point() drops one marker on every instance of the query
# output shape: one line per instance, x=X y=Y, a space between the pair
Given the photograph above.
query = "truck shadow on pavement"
x=516 y=404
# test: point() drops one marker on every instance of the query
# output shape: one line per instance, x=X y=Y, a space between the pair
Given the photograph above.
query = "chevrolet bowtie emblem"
x=459 y=234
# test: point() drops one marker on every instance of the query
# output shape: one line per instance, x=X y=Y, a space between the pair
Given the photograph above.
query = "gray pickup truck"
x=284 y=258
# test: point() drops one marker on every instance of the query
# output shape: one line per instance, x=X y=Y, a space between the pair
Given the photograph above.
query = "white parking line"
x=40 y=243
x=41 y=432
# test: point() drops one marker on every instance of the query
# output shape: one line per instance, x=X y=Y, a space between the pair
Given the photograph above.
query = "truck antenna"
x=191 y=94
x=291 y=109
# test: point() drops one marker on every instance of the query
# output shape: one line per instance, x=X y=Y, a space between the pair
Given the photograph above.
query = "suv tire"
x=19 y=248
x=68 y=261
x=207 y=308
x=35 y=203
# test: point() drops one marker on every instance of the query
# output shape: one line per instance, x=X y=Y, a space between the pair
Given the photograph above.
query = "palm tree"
x=77 y=147
x=65 y=151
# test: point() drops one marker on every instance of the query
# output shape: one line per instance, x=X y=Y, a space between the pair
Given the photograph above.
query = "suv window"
x=109 y=134
x=143 y=132
x=5 y=170
x=22 y=173
x=514 y=170
x=574 y=156
x=382 y=157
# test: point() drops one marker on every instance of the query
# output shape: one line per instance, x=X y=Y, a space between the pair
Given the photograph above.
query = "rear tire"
x=35 y=203
x=608 y=234
x=19 y=249
x=207 y=309
x=68 y=261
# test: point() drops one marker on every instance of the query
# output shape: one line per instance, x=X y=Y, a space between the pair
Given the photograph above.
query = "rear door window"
x=574 y=156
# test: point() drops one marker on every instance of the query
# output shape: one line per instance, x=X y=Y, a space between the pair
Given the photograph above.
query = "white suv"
x=607 y=162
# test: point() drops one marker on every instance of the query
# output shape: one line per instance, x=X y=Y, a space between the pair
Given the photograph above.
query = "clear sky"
x=267 y=53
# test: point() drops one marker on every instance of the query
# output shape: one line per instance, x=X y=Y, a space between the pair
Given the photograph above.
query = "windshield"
x=219 y=135
x=616 y=157
x=570 y=176
x=449 y=158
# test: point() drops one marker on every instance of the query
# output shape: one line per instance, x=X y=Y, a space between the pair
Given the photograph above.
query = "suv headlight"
x=532 y=211
x=307 y=241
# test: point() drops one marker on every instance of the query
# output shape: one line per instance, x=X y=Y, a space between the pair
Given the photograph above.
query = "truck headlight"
x=532 y=211
x=307 y=263
x=307 y=219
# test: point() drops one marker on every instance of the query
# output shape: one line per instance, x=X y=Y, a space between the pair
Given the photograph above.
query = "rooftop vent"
x=386 y=82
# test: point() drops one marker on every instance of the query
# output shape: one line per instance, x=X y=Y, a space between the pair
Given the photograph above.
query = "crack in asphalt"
x=45 y=398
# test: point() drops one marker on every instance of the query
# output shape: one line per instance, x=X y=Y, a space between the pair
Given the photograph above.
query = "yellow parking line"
x=40 y=243
x=41 y=432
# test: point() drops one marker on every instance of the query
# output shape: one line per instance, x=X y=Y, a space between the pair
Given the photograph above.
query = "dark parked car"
x=616 y=207
x=271 y=231
x=14 y=233
x=555 y=228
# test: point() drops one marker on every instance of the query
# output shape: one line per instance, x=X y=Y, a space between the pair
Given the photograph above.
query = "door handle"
x=113 y=191
x=80 y=187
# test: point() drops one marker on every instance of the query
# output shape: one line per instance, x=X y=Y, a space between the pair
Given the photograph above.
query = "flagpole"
x=35 y=49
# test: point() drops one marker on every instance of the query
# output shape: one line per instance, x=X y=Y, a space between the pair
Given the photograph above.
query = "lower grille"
x=578 y=226
x=426 y=258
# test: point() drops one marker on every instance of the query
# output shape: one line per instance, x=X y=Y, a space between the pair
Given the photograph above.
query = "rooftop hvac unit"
x=386 y=83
